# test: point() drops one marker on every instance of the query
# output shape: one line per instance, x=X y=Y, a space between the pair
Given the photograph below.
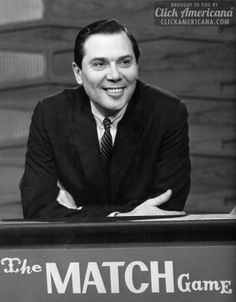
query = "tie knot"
x=107 y=123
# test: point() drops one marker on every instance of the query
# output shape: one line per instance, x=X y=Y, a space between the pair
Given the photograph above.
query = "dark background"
x=195 y=62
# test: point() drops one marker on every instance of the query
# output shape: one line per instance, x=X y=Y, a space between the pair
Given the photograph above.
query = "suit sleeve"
x=38 y=185
x=172 y=167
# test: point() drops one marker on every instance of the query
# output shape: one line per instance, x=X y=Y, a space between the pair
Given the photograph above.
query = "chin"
x=117 y=108
x=112 y=110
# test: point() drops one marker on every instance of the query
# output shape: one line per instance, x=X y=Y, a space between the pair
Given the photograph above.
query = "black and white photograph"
x=117 y=150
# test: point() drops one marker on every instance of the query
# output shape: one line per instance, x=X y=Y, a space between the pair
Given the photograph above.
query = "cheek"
x=91 y=79
x=131 y=75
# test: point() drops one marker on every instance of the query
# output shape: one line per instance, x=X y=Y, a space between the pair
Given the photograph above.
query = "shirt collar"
x=100 y=117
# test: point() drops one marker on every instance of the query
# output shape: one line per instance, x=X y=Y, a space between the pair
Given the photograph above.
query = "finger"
x=159 y=200
x=174 y=213
x=154 y=211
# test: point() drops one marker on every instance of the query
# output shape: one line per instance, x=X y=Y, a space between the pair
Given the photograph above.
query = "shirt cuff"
x=113 y=214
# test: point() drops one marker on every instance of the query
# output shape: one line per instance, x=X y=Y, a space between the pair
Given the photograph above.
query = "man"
x=114 y=146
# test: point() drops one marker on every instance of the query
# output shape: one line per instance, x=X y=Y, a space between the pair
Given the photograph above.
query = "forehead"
x=108 y=45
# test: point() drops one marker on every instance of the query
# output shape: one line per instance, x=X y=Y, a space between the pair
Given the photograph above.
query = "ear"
x=77 y=73
x=137 y=70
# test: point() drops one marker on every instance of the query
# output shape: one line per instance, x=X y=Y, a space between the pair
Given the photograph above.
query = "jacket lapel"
x=128 y=134
x=86 y=140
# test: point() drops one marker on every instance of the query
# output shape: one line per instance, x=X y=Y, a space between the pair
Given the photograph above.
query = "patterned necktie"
x=106 y=146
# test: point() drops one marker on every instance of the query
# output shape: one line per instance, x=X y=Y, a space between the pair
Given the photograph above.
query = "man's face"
x=109 y=71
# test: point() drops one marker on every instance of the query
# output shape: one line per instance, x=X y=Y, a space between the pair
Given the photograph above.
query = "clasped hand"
x=150 y=207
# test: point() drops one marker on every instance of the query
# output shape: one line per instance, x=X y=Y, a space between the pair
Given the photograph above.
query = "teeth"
x=114 y=90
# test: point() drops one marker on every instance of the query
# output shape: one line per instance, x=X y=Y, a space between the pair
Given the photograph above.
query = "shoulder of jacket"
x=60 y=97
x=155 y=96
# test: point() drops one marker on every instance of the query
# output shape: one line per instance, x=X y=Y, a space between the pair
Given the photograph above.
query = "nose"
x=114 y=73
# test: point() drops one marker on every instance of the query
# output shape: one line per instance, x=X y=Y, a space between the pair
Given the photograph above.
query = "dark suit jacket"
x=150 y=155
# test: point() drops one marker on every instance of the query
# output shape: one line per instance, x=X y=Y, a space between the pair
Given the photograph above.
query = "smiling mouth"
x=114 y=91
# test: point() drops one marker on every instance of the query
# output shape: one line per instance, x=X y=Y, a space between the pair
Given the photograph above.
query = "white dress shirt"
x=99 y=122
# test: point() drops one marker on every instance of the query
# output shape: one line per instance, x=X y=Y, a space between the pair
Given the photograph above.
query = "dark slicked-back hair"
x=107 y=26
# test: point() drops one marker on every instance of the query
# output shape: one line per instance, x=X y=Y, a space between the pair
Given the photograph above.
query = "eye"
x=126 y=62
x=98 y=64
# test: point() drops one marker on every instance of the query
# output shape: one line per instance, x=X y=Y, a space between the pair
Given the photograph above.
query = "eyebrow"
x=126 y=57
x=105 y=59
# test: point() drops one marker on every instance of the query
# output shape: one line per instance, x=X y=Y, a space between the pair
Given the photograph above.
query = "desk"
x=190 y=258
